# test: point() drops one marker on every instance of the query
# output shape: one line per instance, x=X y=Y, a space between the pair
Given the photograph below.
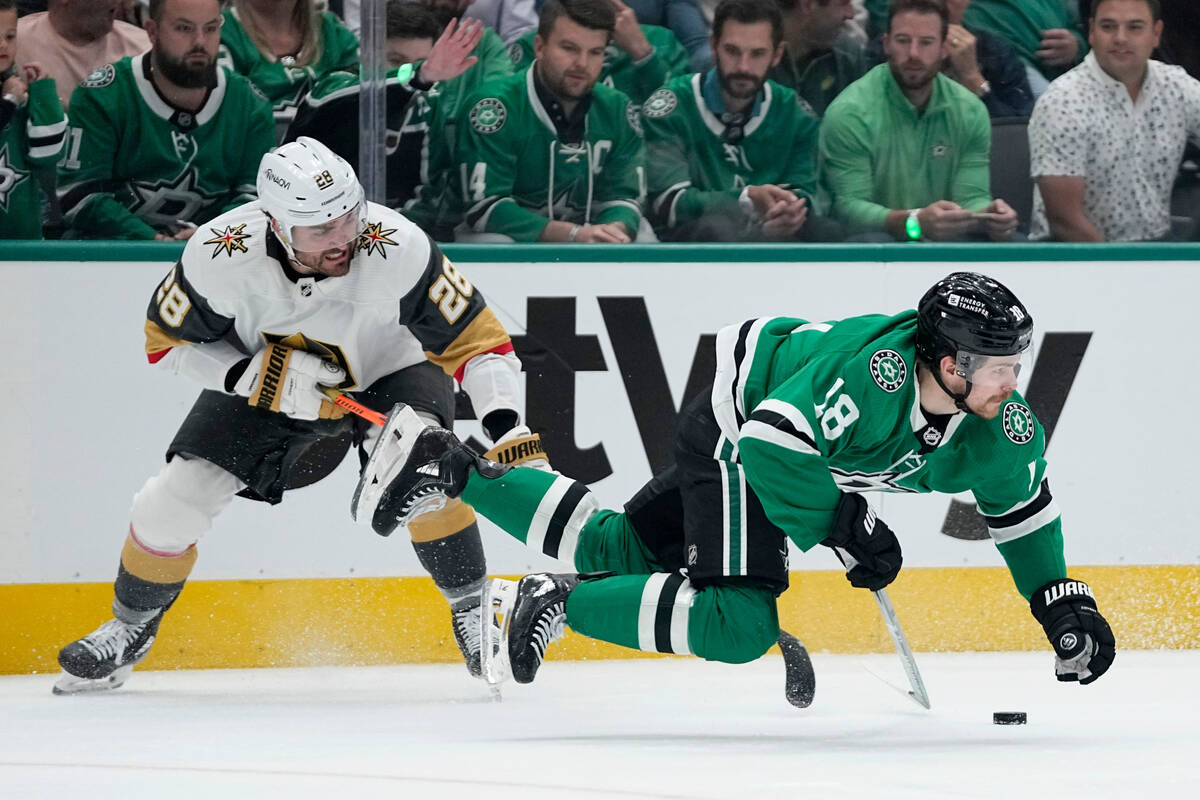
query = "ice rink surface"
x=654 y=728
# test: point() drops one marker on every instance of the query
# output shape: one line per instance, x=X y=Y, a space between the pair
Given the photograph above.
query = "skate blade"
x=71 y=684
x=499 y=597
x=399 y=431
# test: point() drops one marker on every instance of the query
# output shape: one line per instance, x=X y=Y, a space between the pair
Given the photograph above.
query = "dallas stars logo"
x=888 y=370
x=1018 y=423
x=374 y=237
x=162 y=202
x=228 y=240
x=10 y=178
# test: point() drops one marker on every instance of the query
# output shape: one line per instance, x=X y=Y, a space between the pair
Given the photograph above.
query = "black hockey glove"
x=873 y=550
x=1083 y=643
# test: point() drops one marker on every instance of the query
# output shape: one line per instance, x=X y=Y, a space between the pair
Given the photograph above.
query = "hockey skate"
x=800 y=681
x=105 y=658
x=413 y=469
x=539 y=617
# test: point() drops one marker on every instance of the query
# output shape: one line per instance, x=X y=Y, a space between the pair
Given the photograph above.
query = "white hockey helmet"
x=304 y=183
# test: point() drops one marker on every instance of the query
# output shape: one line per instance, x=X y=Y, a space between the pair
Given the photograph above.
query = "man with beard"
x=821 y=59
x=547 y=155
x=166 y=140
x=731 y=155
x=904 y=150
x=73 y=37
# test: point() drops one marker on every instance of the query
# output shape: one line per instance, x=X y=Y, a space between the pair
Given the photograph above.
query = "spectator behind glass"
x=31 y=133
x=983 y=63
x=74 y=37
x=548 y=155
x=1046 y=34
x=639 y=59
x=510 y=19
x=284 y=47
x=1106 y=139
x=904 y=150
x=730 y=155
x=166 y=140
x=821 y=60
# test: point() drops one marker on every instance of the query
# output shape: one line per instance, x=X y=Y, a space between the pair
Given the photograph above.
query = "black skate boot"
x=799 y=681
x=104 y=658
x=466 y=622
x=413 y=468
x=539 y=616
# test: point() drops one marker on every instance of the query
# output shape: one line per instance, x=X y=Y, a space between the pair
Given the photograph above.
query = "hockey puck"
x=1009 y=718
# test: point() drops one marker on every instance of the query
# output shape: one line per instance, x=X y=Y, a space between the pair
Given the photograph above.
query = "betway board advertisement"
x=610 y=351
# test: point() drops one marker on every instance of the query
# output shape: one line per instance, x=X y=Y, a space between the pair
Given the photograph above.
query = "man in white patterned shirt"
x=1106 y=138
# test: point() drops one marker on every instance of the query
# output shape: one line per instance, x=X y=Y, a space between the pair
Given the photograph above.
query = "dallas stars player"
x=731 y=155
x=547 y=155
x=308 y=287
x=803 y=418
x=283 y=48
x=165 y=140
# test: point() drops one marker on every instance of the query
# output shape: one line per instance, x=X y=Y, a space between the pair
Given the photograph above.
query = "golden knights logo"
x=1018 y=423
x=228 y=240
x=329 y=352
x=374 y=237
x=888 y=370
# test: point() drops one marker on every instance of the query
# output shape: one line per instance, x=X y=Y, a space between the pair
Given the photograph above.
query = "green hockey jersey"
x=285 y=86
x=637 y=80
x=815 y=409
x=693 y=172
x=30 y=136
x=135 y=166
x=517 y=174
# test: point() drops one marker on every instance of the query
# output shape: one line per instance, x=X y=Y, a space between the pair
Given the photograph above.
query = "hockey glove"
x=280 y=378
x=1083 y=642
x=520 y=448
x=864 y=543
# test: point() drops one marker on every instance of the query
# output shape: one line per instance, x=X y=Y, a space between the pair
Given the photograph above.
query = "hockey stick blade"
x=800 y=681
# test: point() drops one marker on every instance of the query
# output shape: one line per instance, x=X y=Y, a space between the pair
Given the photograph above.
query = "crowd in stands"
x=614 y=121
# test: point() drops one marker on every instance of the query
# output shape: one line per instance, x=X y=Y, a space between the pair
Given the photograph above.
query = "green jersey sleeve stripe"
x=766 y=432
x=1027 y=526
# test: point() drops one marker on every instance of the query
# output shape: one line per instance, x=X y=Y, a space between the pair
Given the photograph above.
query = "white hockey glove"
x=520 y=448
x=283 y=379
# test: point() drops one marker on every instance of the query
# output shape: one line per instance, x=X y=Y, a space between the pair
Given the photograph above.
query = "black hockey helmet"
x=971 y=312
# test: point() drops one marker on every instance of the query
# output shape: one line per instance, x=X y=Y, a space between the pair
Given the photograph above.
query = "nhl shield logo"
x=1018 y=423
x=660 y=104
x=888 y=370
x=488 y=115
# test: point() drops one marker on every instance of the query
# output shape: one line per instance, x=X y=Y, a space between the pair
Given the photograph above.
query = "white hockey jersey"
x=402 y=302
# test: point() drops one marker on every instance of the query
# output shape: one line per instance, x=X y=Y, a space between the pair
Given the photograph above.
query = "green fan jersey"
x=30 y=136
x=517 y=174
x=136 y=165
x=637 y=79
x=815 y=409
x=692 y=172
x=285 y=86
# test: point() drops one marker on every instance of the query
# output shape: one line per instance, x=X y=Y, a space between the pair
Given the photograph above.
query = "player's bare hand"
x=960 y=47
x=17 y=87
x=1059 y=48
x=605 y=233
x=627 y=33
x=1001 y=220
x=944 y=221
x=451 y=54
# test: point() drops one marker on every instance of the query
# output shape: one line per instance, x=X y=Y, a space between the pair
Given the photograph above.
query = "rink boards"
x=612 y=348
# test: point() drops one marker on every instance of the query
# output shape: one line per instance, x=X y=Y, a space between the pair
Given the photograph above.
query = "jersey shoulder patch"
x=661 y=103
x=1018 y=423
x=488 y=115
x=100 y=77
x=888 y=370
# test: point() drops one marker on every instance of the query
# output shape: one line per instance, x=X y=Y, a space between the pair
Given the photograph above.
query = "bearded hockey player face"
x=745 y=53
x=570 y=58
x=326 y=249
x=993 y=379
x=184 y=42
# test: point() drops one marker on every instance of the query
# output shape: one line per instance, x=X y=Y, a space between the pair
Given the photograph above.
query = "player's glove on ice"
x=864 y=543
x=283 y=379
x=1083 y=643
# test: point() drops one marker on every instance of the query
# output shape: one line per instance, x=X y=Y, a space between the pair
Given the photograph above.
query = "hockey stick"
x=370 y=415
x=892 y=622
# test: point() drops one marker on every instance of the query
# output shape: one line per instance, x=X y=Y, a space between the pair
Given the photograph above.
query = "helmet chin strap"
x=960 y=400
